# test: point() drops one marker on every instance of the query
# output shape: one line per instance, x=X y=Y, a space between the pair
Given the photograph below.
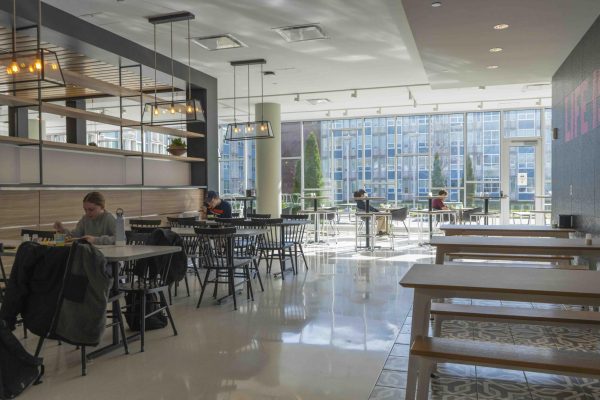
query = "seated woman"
x=438 y=203
x=97 y=226
x=382 y=226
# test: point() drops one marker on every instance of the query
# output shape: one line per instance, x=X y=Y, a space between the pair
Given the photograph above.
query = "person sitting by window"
x=216 y=206
x=438 y=203
x=97 y=226
x=382 y=225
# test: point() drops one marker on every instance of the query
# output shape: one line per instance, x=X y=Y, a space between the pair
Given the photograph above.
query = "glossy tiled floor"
x=339 y=331
x=323 y=334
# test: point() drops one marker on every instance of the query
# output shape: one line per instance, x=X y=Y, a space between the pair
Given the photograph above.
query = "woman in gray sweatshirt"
x=97 y=226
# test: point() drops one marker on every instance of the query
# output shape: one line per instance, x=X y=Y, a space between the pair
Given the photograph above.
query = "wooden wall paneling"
x=60 y=205
x=19 y=208
x=129 y=200
x=170 y=201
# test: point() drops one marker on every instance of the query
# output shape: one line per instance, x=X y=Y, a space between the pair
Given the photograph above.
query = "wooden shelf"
x=92 y=116
x=17 y=141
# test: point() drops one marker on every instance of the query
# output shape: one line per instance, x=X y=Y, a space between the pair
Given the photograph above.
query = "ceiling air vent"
x=301 y=33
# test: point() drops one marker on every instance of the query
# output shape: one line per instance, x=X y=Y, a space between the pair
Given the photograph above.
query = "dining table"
x=506 y=230
x=552 y=286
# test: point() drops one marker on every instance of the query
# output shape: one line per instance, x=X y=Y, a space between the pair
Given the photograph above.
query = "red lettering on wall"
x=577 y=121
x=583 y=124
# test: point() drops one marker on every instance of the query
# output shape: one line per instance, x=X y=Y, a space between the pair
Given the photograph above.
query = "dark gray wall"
x=576 y=152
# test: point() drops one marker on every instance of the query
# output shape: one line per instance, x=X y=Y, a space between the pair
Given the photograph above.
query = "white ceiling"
x=370 y=48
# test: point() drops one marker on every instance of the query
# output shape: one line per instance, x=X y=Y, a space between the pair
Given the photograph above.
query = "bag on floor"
x=132 y=315
x=18 y=368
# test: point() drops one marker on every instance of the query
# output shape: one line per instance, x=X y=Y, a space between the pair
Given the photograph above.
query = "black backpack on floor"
x=132 y=315
x=18 y=368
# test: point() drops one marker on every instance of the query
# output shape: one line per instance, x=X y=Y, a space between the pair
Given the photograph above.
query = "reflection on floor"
x=339 y=331
x=454 y=382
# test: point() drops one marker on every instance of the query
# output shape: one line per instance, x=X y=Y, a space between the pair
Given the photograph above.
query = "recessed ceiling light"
x=500 y=27
x=496 y=49
x=314 y=102
x=492 y=67
x=436 y=3
x=301 y=33
x=218 y=42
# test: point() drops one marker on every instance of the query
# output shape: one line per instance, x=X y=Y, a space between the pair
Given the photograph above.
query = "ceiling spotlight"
x=345 y=113
x=492 y=67
x=538 y=102
x=378 y=110
x=500 y=27
x=410 y=96
x=328 y=114
x=496 y=49
x=481 y=87
x=297 y=98
x=436 y=107
x=436 y=4
x=414 y=103
x=354 y=93
x=480 y=105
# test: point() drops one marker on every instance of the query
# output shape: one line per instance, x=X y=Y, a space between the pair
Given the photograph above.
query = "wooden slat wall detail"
x=38 y=209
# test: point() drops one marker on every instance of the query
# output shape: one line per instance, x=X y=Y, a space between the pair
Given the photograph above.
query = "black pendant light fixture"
x=169 y=112
x=258 y=129
x=27 y=69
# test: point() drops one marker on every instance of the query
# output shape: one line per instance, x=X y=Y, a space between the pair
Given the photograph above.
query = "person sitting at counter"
x=97 y=226
x=217 y=206
x=382 y=226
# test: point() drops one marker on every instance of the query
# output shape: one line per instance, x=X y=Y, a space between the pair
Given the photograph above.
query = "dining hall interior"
x=280 y=200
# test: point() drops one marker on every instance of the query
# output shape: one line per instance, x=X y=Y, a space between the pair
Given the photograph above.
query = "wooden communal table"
x=513 y=245
x=552 y=286
x=506 y=230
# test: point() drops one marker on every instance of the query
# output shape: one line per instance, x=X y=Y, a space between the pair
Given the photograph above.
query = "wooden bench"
x=525 y=257
x=518 y=265
x=427 y=352
x=534 y=316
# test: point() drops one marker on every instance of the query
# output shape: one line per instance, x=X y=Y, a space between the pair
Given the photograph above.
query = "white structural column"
x=268 y=162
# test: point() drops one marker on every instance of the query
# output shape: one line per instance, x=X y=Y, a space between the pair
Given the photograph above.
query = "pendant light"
x=165 y=112
x=24 y=69
x=258 y=129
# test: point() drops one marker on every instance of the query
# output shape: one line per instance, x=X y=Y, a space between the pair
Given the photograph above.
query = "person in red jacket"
x=438 y=203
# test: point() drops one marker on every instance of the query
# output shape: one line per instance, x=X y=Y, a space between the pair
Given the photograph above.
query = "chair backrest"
x=294 y=216
x=272 y=228
x=155 y=223
x=136 y=238
x=293 y=231
x=330 y=216
x=229 y=221
x=181 y=222
x=215 y=246
x=400 y=214
x=40 y=234
x=468 y=213
x=143 y=229
x=264 y=216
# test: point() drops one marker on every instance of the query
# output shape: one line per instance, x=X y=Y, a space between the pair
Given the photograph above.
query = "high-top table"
x=486 y=204
x=552 y=286
x=368 y=220
x=430 y=210
x=317 y=213
x=506 y=230
x=514 y=245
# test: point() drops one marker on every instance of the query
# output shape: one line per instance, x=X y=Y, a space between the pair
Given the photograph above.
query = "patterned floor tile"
x=544 y=392
x=395 y=379
x=538 y=378
x=492 y=332
x=396 y=363
x=460 y=371
x=400 y=350
x=463 y=388
x=491 y=389
x=457 y=329
x=386 y=393
x=497 y=374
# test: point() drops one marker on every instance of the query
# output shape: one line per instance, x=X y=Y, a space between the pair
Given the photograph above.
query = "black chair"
x=117 y=318
x=400 y=215
x=41 y=234
x=216 y=252
x=261 y=216
x=229 y=221
x=466 y=215
x=274 y=245
x=142 y=285
x=298 y=236
x=181 y=222
x=246 y=246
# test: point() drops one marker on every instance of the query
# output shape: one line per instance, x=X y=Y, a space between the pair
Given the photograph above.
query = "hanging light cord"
x=262 y=94
x=234 y=119
x=14 y=42
x=189 y=62
x=172 y=78
x=248 y=94
x=155 y=82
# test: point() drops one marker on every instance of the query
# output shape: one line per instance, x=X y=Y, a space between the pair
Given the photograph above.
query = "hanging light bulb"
x=263 y=127
x=190 y=109
x=156 y=110
x=38 y=64
x=13 y=68
x=172 y=109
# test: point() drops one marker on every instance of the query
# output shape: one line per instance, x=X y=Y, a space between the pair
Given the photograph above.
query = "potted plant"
x=177 y=147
